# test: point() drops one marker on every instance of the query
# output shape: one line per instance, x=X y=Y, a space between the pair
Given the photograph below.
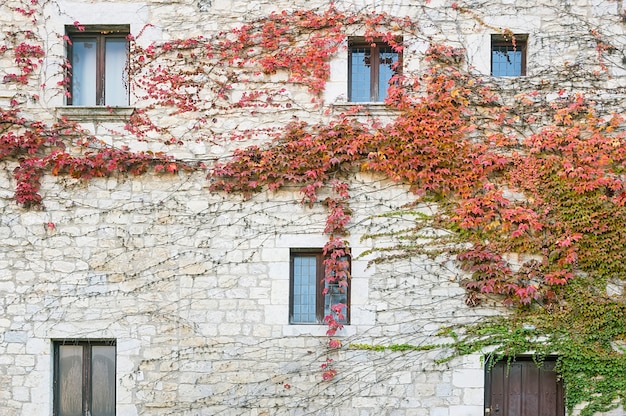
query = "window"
x=84 y=378
x=99 y=72
x=371 y=65
x=311 y=297
x=508 y=55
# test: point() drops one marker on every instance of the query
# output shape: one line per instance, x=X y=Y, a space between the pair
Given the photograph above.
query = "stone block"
x=403 y=377
x=262 y=331
x=260 y=294
x=468 y=378
x=126 y=410
x=6 y=360
x=37 y=408
x=439 y=411
x=229 y=329
x=16 y=337
x=63 y=266
x=443 y=390
x=274 y=255
x=466 y=411
x=424 y=389
x=366 y=402
x=24 y=360
x=280 y=291
x=21 y=394
x=474 y=396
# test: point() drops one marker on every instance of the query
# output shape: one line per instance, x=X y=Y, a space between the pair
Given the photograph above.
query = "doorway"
x=520 y=388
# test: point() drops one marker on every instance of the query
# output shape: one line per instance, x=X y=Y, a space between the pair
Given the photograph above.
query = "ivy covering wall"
x=529 y=168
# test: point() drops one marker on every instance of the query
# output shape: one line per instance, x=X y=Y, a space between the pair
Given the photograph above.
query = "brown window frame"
x=359 y=42
x=319 y=287
x=519 y=42
x=101 y=33
x=86 y=374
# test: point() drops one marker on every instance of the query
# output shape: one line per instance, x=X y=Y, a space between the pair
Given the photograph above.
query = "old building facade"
x=152 y=294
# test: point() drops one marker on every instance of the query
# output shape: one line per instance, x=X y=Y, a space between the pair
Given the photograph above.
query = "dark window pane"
x=70 y=380
x=103 y=380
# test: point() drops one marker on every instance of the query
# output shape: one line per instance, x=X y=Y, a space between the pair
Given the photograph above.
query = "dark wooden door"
x=523 y=389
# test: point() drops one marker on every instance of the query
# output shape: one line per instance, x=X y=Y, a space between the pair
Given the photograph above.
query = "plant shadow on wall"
x=538 y=175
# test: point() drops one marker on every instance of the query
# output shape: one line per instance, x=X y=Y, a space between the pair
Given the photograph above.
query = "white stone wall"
x=195 y=289
x=194 y=286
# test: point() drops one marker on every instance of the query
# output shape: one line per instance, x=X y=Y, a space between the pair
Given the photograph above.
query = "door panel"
x=522 y=389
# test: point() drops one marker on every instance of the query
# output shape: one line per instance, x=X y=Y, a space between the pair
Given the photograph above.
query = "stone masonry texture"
x=193 y=285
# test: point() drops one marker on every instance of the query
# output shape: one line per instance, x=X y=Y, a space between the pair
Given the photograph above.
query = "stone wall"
x=194 y=286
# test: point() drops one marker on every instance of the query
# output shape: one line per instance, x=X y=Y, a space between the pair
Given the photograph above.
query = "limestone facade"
x=193 y=286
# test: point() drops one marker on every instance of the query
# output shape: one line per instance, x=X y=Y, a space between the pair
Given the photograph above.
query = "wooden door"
x=523 y=389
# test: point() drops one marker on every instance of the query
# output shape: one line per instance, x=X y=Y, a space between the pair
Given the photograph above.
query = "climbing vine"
x=539 y=174
x=555 y=196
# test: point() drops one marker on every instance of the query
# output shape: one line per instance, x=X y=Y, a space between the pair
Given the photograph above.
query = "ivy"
x=393 y=347
x=39 y=148
x=587 y=335
x=539 y=174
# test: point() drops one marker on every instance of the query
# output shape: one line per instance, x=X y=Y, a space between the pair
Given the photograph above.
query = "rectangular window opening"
x=98 y=56
x=371 y=67
x=84 y=378
x=508 y=55
x=311 y=296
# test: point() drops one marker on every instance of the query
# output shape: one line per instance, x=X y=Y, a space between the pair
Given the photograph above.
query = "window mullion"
x=523 y=48
x=56 y=381
x=69 y=70
x=86 y=379
x=319 y=287
x=100 y=65
x=375 y=71
x=291 y=288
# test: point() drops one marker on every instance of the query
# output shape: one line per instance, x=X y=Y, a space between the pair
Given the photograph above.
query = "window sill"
x=366 y=108
x=316 y=330
x=95 y=113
